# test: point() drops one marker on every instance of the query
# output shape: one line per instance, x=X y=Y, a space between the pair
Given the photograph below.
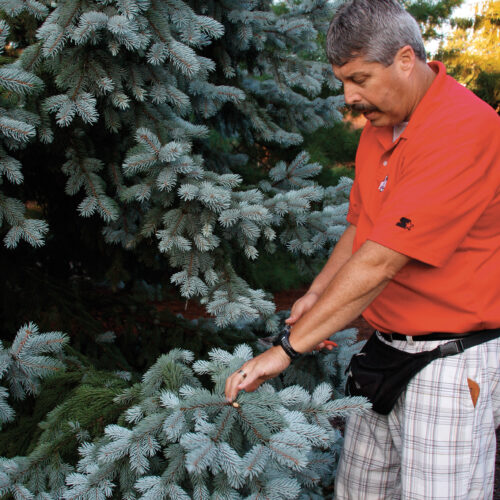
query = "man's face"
x=375 y=90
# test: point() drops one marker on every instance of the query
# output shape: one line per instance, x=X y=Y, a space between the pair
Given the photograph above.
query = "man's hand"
x=299 y=308
x=255 y=372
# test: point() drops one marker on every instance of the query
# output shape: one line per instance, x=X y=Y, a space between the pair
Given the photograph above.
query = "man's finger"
x=294 y=316
x=231 y=389
x=238 y=381
x=228 y=390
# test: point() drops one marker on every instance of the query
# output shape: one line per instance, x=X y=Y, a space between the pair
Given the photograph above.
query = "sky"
x=467 y=8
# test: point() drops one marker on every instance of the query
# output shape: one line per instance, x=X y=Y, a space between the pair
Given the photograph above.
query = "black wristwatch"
x=283 y=340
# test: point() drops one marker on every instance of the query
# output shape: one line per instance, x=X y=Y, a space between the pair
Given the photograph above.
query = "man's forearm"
x=351 y=290
x=340 y=255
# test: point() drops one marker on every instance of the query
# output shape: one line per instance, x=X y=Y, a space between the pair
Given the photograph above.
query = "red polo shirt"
x=434 y=195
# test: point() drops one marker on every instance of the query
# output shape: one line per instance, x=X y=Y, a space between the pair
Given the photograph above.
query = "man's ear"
x=405 y=58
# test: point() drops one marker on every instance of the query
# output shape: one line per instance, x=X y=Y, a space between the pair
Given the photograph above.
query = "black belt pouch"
x=381 y=373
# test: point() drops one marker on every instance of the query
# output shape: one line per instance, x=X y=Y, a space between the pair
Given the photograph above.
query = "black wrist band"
x=283 y=340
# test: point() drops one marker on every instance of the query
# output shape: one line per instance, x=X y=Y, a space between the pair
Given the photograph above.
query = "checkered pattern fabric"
x=435 y=444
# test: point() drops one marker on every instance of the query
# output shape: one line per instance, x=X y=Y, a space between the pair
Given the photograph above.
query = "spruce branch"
x=192 y=427
x=27 y=362
x=4 y=33
x=19 y=81
x=13 y=8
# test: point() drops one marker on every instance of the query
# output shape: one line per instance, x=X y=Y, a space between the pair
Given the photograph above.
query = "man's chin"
x=377 y=118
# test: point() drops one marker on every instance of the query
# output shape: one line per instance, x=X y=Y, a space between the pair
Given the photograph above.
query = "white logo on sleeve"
x=383 y=184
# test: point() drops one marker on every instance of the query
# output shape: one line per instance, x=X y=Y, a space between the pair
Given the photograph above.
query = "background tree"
x=431 y=15
x=226 y=127
x=147 y=128
x=471 y=52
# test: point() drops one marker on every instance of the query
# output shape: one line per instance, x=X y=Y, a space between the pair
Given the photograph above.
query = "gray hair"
x=373 y=29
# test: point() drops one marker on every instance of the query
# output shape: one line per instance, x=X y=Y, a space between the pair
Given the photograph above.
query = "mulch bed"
x=284 y=301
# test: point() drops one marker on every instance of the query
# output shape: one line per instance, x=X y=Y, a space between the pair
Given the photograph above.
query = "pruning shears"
x=330 y=342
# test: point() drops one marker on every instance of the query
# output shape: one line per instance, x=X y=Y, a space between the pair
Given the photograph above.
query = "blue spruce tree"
x=146 y=114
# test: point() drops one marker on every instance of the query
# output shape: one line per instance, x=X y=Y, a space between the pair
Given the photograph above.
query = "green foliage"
x=6 y=59
x=333 y=175
x=471 y=52
x=79 y=396
x=487 y=87
x=20 y=437
x=179 y=439
x=31 y=357
x=276 y=272
x=431 y=14
x=332 y=145
x=280 y=8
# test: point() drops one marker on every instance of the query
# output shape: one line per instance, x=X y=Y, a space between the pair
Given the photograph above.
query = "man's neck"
x=424 y=76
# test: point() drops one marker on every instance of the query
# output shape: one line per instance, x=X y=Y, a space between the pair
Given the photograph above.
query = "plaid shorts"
x=438 y=443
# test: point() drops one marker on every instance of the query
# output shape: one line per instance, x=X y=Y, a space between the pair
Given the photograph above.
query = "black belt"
x=437 y=335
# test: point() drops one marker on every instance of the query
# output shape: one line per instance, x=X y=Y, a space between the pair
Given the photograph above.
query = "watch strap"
x=283 y=339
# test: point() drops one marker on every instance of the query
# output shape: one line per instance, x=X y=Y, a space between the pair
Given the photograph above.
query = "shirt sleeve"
x=441 y=193
x=354 y=204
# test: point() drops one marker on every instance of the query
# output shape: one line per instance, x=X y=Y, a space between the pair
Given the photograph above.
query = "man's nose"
x=351 y=96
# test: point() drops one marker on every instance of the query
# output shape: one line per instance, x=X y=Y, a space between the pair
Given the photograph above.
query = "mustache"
x=361 y=108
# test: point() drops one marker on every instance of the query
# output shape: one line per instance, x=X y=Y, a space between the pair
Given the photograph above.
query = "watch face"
x=277 y=340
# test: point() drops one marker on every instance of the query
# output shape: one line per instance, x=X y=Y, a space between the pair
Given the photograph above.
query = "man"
x=421 y=256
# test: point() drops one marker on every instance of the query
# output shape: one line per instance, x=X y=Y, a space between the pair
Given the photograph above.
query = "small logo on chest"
x=405 y=223
x=383 y=184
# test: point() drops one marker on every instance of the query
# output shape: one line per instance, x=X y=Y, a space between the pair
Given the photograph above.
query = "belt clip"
x=450 y=348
